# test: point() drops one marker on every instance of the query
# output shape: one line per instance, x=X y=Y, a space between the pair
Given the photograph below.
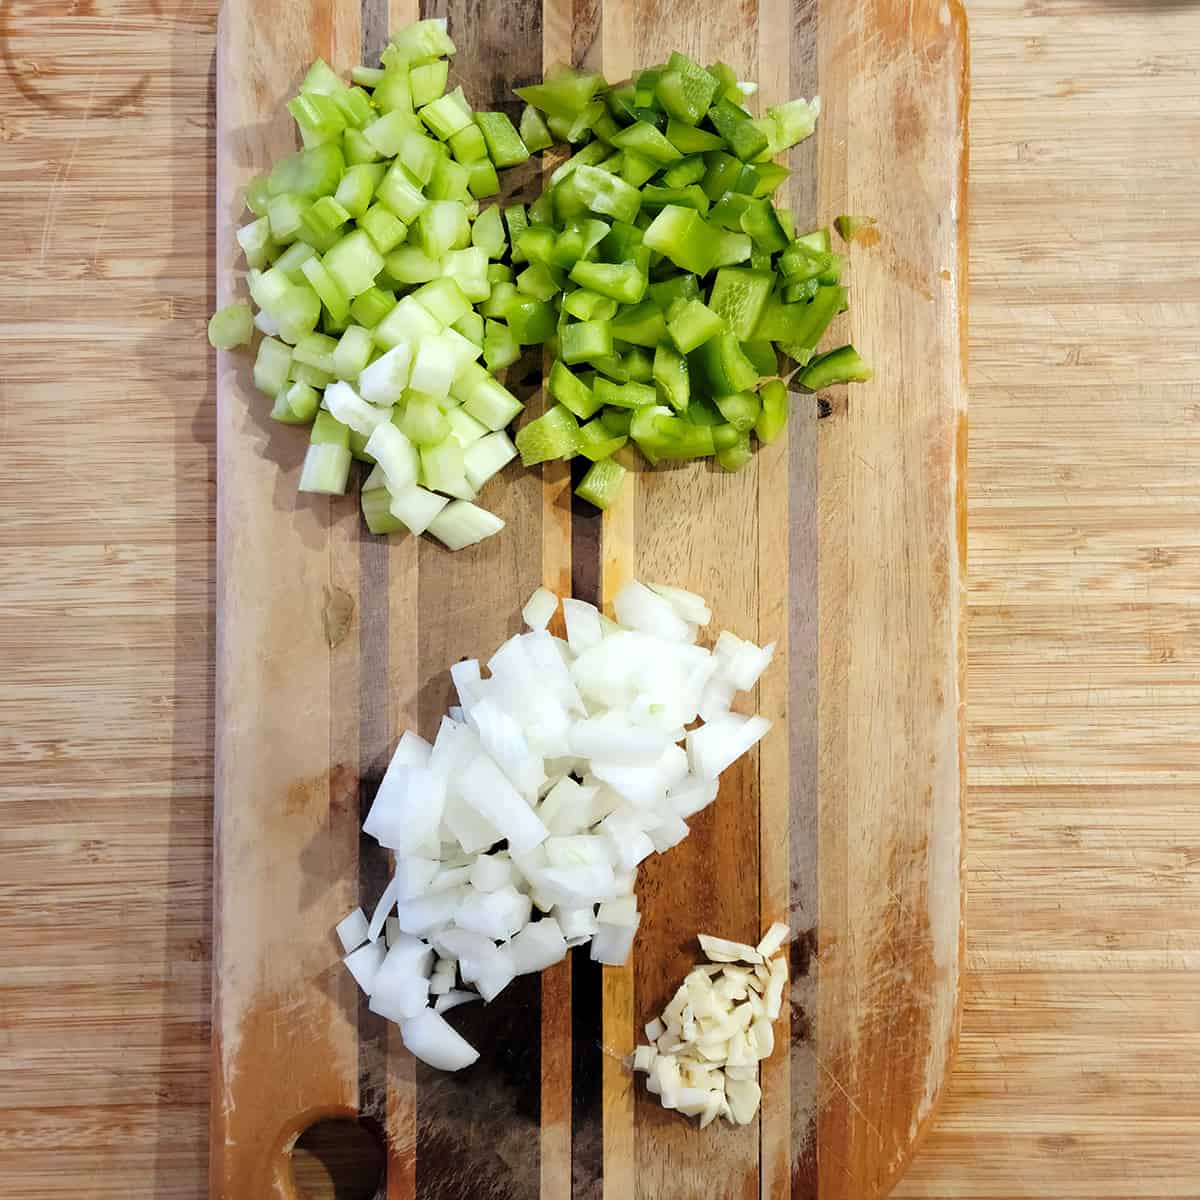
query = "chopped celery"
x=487 y=456
x=602 y=483
x=271 y=366
x=415 y=507
x=461 y=524
x=446 y=115
x=384 y=229
x=500 y=347
x=377 y=511
x=326 y=467
x=428 y=81
x=422 y=421
x=352 y=352
x=231 y=326
x=372 y=306
x=492 y=403
x=296 y=404
x=488 y=232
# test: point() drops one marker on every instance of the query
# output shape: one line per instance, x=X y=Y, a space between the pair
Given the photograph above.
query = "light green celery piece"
x=352 y=352
x=468 y=268
x=383 y=227
x=443 y=299
x=444 y=226
x=296 y=404
x=422 y=421
x=482 y=179
x=322 y=79
x=326 y=466
x=488 y=232
x=377 y=511
x=271 y=366
x=410 y=264
x=461 y=524
x=256 y=242
x=491 y=403
x=443 y=470
x=409 y=321
x=285 y=215
x=602 y=483
x=372 y=306
x=419 y=42
x=415 y=507
x=231 y=326
x=401 y=195
x=296 y=312
x=386 y=133
x=292 y=259
x=487 y=457
x=354 y=262
x=470 y=325
x=446 y=115
x=464 y=429
x=428 y=81
x=358 y=185
x=468 y=145
x=331 y=292
x=304 y=373
x=368 y=77
x=316 y=350
x=450 y=181
x=500 y=347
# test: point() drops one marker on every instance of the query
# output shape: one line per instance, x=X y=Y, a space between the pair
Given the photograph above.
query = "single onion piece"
x=539 y=608
x=453 y=999
x=430 y=1037
x=364 y=964
x=352 y=930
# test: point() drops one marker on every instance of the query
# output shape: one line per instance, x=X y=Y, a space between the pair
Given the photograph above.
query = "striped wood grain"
x=362 y=638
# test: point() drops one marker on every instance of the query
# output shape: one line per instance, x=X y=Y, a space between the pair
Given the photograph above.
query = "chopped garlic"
x=705 y=1048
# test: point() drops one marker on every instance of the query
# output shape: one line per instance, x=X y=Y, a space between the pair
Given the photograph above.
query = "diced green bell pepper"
x=691 y=323
x=843 y=365
x=773 y=417
x=585 y=340
x=555 y=434
x=602 y=483
x=642 y=324
x=671 y=374
x=739 y=297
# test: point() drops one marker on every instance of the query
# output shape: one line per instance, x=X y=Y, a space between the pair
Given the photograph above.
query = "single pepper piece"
x=602 y=483
x=623 y=282
x=682 y=235
x=661 y=435
x=739 y=297
x=585 y=340
x=571 y=391
x=737 y=128
x=641 y=325
x=555 y=434
x=670 y=372
x=843 y=365
x=774 y=414
x=605 y=193
x=597 y=442
x=563 y=93
x=691 y=323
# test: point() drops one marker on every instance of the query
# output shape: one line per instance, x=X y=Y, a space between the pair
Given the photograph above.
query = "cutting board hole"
x=337 y=1159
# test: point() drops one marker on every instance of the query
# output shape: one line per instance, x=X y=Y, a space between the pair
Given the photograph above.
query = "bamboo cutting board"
x=844 y=543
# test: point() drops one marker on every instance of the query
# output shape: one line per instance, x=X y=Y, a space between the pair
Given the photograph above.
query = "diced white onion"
x=539 y=608
x=352 y=930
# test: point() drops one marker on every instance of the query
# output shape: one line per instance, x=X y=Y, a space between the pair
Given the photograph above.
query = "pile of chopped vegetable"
x=655 y=266
x=703 y=1052
x=519 y=831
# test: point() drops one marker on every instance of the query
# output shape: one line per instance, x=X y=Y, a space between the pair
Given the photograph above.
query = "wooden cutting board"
x=844 y=543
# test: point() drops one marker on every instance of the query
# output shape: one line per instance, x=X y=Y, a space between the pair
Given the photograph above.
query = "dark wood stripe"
x=803 y=638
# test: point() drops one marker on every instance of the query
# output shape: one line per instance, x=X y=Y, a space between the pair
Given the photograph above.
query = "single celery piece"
x=271 y=366
x=444 y=225
x=423 y=422
x=296 y=404
x=448 y=114
x=602 y=483
x=464 y=429
x=411 y=265
x=231 y=326
x=416 y=507
x=461 y=524
x=372 y=306
x=482 y=179
x=500 y=348
x=396 y=455
x=468 y=145
x=316 y=350
x=400 y=194
x=327 y=460
x=428 y=81
x=555 y=434
x=383 y=227
x=492 y=403
x=377 y=511
x=332 y=294
x=471 y=326
x=408 y=321
x=487 y=232
x=444 y=299
x=352 y=352
x=487 y=457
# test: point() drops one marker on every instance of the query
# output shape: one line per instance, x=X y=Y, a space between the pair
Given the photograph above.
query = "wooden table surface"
x=1077 y=1073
